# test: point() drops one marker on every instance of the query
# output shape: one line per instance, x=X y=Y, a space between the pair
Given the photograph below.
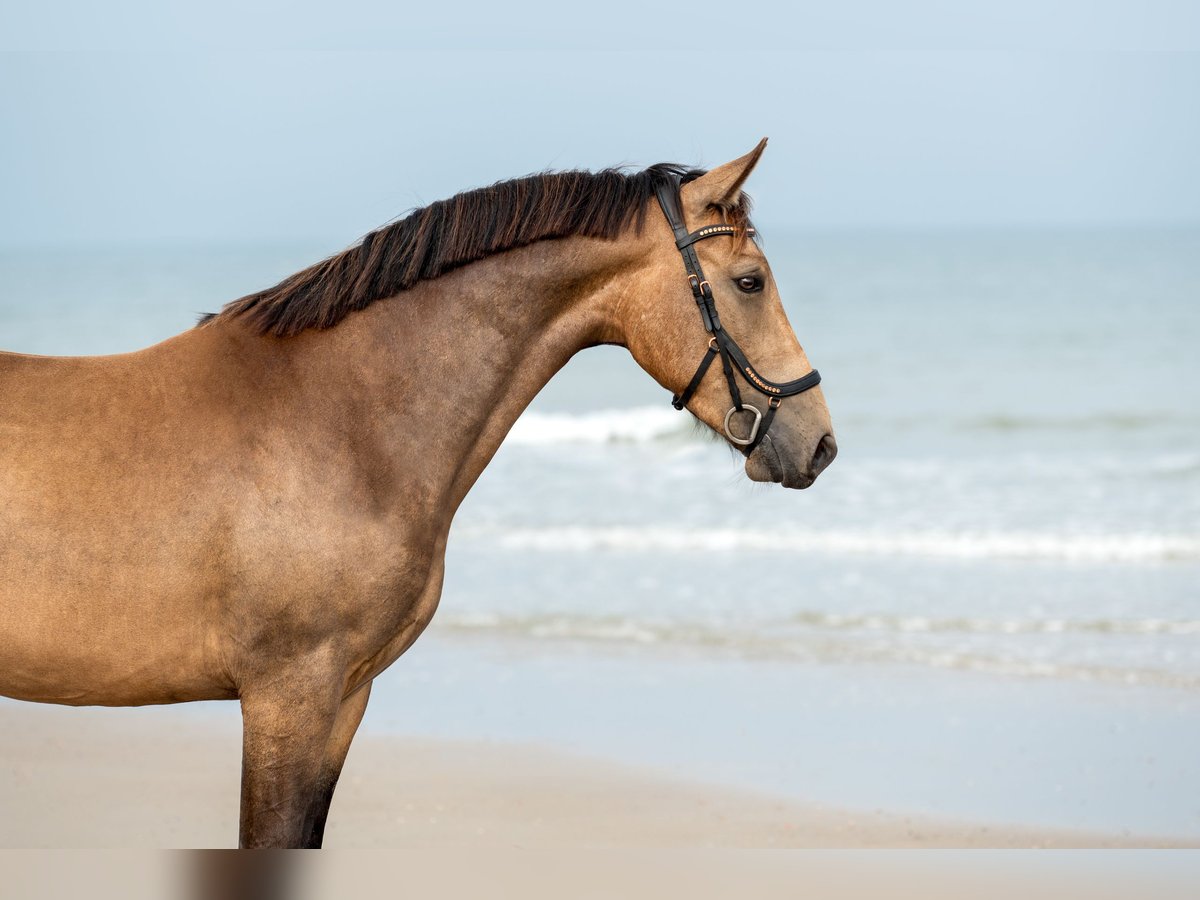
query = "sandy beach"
x=87 y=778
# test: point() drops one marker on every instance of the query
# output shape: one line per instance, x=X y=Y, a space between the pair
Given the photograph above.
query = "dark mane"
x=452 y=233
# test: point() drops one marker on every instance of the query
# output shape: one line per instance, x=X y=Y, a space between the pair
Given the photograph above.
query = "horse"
x=257 y=509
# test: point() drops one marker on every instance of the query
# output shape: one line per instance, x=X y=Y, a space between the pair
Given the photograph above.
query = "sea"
x=987 y=609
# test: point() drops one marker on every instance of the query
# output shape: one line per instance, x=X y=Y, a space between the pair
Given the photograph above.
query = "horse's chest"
x=394 y=614
x=341 y=581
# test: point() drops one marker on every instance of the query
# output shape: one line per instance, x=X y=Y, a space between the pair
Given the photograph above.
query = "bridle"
x=721 y=344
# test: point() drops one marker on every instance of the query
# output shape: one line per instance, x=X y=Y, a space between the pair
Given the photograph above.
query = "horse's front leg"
x=345 y=725
x=287 y=723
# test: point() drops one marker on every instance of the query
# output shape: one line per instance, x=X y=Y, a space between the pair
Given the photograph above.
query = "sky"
x=150 y=123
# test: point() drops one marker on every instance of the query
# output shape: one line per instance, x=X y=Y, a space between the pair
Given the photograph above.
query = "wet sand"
x=157 y=778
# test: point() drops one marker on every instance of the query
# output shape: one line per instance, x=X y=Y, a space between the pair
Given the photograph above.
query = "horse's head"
x=704 y=318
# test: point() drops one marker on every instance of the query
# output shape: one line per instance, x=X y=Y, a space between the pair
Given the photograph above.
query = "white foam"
x=1125 y=548
x=878 y=622
x=636 y=425
x=818 y=645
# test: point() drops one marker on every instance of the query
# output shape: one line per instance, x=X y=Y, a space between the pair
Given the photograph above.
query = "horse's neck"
x=440 y=373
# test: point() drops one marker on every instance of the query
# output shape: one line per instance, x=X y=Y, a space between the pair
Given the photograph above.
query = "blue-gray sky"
x=1066 y=117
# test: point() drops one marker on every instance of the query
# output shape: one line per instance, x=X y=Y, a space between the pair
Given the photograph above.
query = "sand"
x=89 y=778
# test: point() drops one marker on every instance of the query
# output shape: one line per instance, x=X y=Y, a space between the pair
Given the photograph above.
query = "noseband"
x=721 y=344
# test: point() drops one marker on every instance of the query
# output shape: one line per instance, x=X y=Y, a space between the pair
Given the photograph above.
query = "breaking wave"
x=1108 y=421
x=1091 y=548
x=817 y=637
x=637 y=425
x=646 y=424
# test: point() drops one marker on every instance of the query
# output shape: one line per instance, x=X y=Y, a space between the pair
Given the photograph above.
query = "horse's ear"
x=720 y=187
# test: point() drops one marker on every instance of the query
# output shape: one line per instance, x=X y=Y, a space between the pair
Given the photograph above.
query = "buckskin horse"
x=257 y=509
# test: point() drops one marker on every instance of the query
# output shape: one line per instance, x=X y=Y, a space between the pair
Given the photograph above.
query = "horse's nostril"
x=826 y=451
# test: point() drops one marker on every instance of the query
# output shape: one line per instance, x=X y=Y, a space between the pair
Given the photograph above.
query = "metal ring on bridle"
x=742 y=442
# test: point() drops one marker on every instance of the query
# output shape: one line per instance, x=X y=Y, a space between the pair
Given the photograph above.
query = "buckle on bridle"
x=749 y=439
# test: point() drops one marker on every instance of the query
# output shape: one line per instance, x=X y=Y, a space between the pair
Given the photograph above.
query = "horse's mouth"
x=765 y=465
x=798 y=483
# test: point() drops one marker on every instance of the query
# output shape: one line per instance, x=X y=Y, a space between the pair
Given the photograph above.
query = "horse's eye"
x=749 y=284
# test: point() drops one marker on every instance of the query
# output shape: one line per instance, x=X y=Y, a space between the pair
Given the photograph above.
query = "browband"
x=705 y=232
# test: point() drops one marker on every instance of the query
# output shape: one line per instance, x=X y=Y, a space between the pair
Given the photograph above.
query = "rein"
x=721 y=344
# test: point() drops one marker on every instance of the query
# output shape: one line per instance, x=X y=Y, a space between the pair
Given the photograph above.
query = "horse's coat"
x=257 y=509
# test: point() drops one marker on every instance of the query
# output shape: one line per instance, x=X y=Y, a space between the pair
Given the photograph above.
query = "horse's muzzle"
x=772 y=463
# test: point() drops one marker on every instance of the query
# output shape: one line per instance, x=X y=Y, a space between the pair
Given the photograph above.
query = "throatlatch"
x=721 y=344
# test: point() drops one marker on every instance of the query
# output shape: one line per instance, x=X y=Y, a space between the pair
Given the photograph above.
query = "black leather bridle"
x=721 y=344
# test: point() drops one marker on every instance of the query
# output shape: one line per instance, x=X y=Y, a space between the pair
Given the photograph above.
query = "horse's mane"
x=452 y=233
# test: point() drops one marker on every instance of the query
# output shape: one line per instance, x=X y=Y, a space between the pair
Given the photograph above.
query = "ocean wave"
x=880 y=622
x=636 y=425
x=823 y=641
x=1103 y=421
x=647 y=424
x=1095 y=548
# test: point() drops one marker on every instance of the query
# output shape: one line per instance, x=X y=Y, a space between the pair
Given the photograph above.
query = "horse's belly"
x=100 y=609
x=96 y=650
x=110 y=673
x=51 y=672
